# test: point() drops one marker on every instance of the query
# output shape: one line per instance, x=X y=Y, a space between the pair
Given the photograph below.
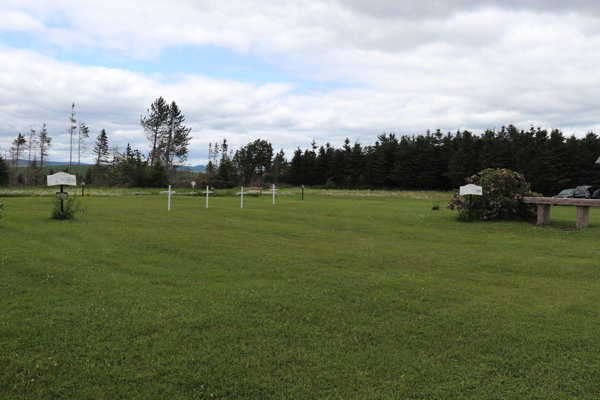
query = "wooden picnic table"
x=544 y=208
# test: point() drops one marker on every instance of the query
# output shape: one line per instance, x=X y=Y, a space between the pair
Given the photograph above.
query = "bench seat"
x=544 y=208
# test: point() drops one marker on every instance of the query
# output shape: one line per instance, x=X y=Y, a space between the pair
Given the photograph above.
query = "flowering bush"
x=503 y=192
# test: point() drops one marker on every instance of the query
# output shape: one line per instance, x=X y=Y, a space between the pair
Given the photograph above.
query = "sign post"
x=82 y=188
x=242 y=193
x=207 y=192
x=62 y=179
x=471 y=190
x=193 y=184
x=273 y=190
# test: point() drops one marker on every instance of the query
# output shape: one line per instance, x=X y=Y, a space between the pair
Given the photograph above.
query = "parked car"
x=580 y=192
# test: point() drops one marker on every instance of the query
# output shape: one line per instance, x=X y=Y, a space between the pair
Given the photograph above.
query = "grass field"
x=333 y=297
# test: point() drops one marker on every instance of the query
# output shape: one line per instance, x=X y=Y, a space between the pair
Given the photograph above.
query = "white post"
x=273 y=190
x=169 y=208
x=207 y=192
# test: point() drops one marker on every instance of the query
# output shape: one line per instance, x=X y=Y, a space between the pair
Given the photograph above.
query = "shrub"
x=503 y=192
x=1 y=208
x=71 y=207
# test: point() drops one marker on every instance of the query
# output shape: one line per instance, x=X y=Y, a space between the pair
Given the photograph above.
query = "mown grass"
x=331 y=297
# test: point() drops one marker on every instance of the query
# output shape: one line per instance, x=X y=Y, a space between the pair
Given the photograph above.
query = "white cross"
x=207 y=192
x=169 y=192
x=273 y=190
x=242 y=193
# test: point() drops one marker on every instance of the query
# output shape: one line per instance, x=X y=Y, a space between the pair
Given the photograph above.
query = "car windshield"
x=567 y=191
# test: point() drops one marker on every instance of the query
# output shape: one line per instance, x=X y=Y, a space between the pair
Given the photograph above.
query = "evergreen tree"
x=4 y=172
x=297 y=171
x=44 y=145
x=175 y=139
x=31 y=150
x=226 y=169
x=323 y=161
x=101 y=148
x=84 y=133
x=154 y=126
x=158 y=176
x=72 y=130
x=17 y=149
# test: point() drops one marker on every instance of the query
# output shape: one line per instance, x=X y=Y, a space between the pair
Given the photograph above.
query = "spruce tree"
x=4 y=172
x=154 y=126
x=44 y=144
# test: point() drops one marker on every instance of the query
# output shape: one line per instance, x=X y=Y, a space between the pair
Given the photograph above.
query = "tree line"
x=549 y=160
x=164 y=128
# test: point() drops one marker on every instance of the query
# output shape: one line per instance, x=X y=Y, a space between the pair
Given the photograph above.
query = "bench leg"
x=543 y=214
x=582 y=216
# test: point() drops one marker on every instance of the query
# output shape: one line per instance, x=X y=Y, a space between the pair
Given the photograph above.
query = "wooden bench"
x=544 y=208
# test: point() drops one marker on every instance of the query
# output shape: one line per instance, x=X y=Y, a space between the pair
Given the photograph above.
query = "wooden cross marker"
x=273 y=190
x=207 y=192
x=242 y=193
x=169 y=192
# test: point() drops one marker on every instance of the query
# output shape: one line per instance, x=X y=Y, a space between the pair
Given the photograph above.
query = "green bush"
x=503 y=192
x=71 y=207
x=1 y=208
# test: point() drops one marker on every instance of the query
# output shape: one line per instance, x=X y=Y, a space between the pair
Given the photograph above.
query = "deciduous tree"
x=253 y=159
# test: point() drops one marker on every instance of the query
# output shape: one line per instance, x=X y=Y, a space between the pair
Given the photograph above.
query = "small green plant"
x=436 y=206
x=503 y=192
x=1 y=208
x=71 y=206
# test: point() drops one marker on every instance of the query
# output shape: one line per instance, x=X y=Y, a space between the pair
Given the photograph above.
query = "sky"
x=294 y=71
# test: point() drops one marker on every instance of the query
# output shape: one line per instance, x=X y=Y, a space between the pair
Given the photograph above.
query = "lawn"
x=331 y=297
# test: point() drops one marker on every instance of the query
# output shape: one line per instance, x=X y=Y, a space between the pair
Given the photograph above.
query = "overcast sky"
x=293 y=71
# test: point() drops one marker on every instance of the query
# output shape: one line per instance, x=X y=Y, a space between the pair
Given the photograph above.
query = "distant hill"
x=196 y=168
x=23 y=163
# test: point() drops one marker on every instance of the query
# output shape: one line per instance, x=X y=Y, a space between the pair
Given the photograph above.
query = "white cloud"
x=385 y=65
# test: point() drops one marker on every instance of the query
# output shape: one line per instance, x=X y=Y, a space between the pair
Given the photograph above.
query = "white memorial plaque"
x=61 y=178
x=471 y=189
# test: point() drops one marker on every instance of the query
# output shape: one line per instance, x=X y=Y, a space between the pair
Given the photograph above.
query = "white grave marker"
x=169 y=192
x=273 y=190
x=242 y=193
x=207 y=192
x=63 y=179
x=471 y=189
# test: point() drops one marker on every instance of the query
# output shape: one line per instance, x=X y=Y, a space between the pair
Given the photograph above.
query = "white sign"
x=61 y=178
x=471 y=189
x=193 y=184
